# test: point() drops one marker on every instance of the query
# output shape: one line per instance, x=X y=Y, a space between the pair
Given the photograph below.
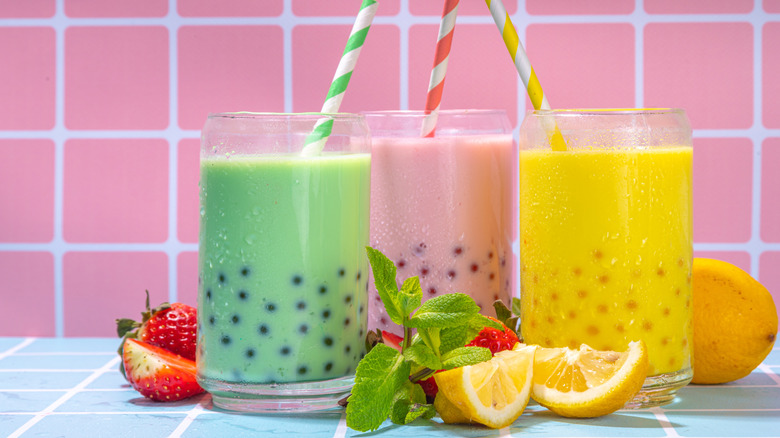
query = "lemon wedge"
x=493 y=393
x=588 y=382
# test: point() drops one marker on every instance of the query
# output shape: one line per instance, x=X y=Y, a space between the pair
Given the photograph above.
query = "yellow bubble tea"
x=606 y=253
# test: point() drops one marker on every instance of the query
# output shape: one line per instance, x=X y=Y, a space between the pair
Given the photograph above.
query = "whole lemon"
x=734 y=322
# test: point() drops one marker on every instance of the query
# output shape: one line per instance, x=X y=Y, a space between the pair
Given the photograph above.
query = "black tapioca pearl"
x=285 y=351
x=208 y=294
x=243 y=295
x=342 y=272
x=360 y=332
x=348 y=299
x=359 y=274
x=303 y=328
x=361 y=309
x=250 y=353
x=346 y=321
x=263 y=329
x=474 y=267
x=347 y=349
x=235 y=319
x=225 y=339
x=323 y=289
x=245 y=271
x=271 y=307
x=326 y=314
x=300 y=305
x=222 y=278
x=212 y=320
x=328 y=366
x=297 y=280
x=451 y=274
x=458 y=250
x=328 y=341
x=302 y=370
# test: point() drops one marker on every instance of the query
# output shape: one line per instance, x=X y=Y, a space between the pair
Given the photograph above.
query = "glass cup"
x=283 y=272
x=605 y=237
x=442 y=207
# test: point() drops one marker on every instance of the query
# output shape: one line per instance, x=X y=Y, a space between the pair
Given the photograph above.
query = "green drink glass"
x=282 y=307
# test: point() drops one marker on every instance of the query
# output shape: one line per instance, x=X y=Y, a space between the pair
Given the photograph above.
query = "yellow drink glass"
x=606 y=237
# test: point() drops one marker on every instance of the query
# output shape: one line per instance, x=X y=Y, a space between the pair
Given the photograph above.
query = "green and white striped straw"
x=322 y=129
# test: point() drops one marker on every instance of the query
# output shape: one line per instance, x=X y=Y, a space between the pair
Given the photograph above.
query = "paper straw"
x=523 y=66
x=324 y=126
x=436 y=84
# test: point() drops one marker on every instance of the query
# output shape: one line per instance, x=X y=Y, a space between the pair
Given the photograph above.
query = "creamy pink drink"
x=442 y=207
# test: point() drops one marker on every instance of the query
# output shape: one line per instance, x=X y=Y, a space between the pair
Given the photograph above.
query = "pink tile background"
x=101 y=104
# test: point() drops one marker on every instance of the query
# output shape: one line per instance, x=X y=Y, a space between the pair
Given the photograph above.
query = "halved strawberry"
x=392 y=340
x=495 y=340
x=159 y=374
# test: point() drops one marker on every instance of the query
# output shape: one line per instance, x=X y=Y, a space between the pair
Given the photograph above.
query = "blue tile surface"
x=106 y=406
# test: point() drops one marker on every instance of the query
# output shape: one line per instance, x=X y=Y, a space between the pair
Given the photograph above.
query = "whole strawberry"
x=173 y=327
x=158 y=374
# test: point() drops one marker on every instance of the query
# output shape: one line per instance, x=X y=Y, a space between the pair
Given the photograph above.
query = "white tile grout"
x=14 y=349
x=665 y=423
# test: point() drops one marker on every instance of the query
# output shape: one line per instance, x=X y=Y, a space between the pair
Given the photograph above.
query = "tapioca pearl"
x=458 y=250
x=602 y=308
x=592 y=330
x=326 y=314
x=492 y=276
x=685 y=342
x=296 y=280
x=249 y=353
x=677 y=292
x=533 y=323
x=631 y=305
x=495 y=297
x=347 y=349
x=574 y=344
x=245 y=271
x=285 y=351
x=328 y=366
x=451 y=274
x=424 y=271
x=348 y=299
x=361 y=332
x=361 y=309
x=400 y=264
x=420 y=248
x=243 y=295
x=665 y=341
x=323 y=289
x=572 y=314
x=235 y=319
x=346 y=322
x=597 y=254
x=666 y=311
x=432 y=290
x=222 y=278
x=660 y=272
x=576 y=271
x=358 y=276
x=212 y=320
x=383 y=320
x=328 y=341
x=270 y=307
x=620 y=327
x=474 y=267
x=503 y=261
x=302 y=370
x=225 y=340
x=342 y=272
x=553 y=296
x=680 y=262
x=303 y=329
x=604 y=279
x=208 y=294
x=582 y=293
x=490 y=255
x=300 y=305
x=550 y=320
x=647 y=325
x=263 y=329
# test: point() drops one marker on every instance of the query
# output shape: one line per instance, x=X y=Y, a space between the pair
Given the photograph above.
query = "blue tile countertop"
x=71 y=388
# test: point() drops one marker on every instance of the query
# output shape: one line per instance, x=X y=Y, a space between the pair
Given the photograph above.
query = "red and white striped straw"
x=436 y=85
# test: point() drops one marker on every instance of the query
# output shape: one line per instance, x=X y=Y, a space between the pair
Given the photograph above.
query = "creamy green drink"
x=283 y=271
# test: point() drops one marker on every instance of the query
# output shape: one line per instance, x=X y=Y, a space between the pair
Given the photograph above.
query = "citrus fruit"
x=493 y=393
x=588 y=382
x=734 y=322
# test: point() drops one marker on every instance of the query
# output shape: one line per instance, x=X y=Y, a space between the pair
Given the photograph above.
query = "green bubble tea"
x=283 y=273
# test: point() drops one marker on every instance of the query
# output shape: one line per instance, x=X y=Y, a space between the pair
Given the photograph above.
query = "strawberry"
x=170 y=326
x=392 y=340
x=495 y=340
x=159 y=374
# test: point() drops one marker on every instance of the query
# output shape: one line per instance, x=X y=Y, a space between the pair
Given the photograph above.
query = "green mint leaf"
x=478 y=322
x=463 y=356
x=516 y=306
x=453 y=337
x=409 y=404
x=379 y=375
x=422 y=355
x=410 y=295
x=444 y=311
x=502 y=312
x=430 y=338
x=384 y=280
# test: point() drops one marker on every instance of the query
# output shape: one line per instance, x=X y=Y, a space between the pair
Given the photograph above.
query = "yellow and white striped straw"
x=523 y=66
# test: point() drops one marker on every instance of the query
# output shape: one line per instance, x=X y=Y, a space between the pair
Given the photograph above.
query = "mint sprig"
x=385 y=378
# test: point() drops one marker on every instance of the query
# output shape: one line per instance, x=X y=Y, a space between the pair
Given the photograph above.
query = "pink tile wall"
x=101 y=104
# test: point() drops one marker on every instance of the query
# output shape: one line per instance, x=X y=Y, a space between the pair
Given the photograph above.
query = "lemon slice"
x=588 y=382
x=493 y=393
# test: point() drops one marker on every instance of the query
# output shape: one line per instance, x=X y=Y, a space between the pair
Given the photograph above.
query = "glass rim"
x=606 y=111
x=447 y=112
x=282 y=115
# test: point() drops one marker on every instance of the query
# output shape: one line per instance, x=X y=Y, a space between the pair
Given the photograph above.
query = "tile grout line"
x=660 y=415
x=17 y=347
x=65 y=397
x=341 y=428
x=189 y=418
x=770 y=373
